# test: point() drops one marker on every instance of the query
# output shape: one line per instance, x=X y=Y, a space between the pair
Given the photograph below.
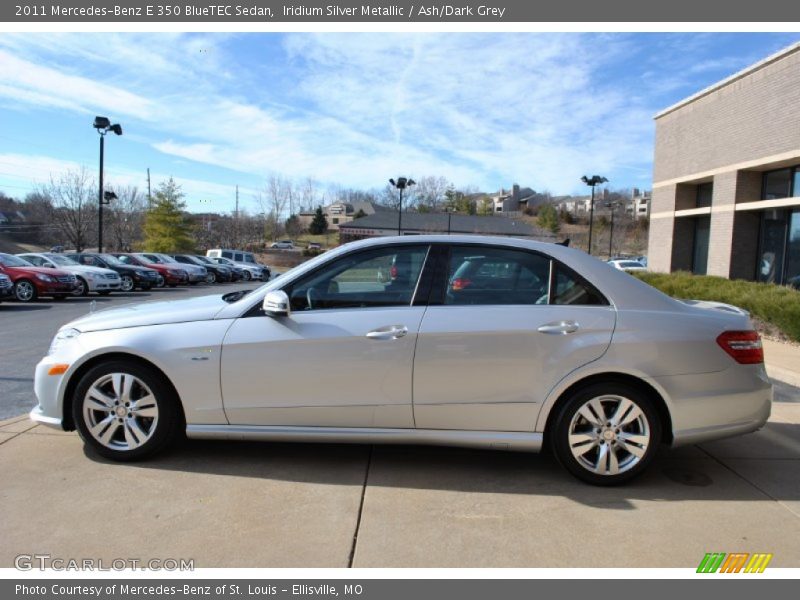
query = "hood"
x=43 y=270
x=89 y=269
x=202 y=308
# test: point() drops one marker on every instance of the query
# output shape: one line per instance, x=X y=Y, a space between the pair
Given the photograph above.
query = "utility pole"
x=149 y=195
x=236 y=219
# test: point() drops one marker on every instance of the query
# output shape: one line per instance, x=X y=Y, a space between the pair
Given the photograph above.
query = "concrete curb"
x=783 y=375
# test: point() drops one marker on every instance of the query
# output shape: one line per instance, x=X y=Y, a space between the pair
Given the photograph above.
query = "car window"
x=238 y=257
x=571 y=289
x=36 y=260
x=486 y=275
x=249 y=258
x=379 y=277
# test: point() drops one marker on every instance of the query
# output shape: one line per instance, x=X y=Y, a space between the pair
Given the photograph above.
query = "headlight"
x=43 y=277
x=62 y=337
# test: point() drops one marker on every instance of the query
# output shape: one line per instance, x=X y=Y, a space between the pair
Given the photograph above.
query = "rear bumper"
x=712 y=406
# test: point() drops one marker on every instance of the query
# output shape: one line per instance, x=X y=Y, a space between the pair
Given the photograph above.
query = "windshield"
x=8 y=260
x=165 y=259
x=629 y=264
x=62 y=260
x=205 y=260
x=111 y=260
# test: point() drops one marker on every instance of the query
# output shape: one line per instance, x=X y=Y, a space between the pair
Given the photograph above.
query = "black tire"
x=82 y=289
x=211 y=277
x=246 y=276
x=167 y=428
x=127 y=284
x=25 y=290
x=631 y=465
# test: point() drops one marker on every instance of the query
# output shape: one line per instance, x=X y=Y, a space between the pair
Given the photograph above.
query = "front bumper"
x=47 y=389
x=104 y=284
x=49 y=289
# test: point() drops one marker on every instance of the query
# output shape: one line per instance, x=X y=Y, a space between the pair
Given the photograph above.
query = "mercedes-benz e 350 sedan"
x=457 y=340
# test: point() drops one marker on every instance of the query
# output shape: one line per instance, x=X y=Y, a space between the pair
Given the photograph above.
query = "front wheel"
x=126 y=411
x=127 y=283
x=606 y=433
x=25 y=291
x=82 y=289
x=247 y=275
x=211 y=277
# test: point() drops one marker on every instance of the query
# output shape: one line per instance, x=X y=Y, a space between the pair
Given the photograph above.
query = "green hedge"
x=777 y=305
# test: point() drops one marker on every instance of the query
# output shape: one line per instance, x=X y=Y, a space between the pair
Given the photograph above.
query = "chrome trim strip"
x=497 y=440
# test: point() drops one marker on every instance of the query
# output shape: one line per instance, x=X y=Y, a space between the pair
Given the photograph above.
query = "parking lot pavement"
x=269 y=505
x=26 y=331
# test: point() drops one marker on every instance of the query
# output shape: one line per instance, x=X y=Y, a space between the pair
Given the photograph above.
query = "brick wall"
x=748 y=119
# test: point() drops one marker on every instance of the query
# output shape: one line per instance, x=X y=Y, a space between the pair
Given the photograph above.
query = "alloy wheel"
x=24 y=291
x=120 y=411
x=609 y=435
x=127 y=283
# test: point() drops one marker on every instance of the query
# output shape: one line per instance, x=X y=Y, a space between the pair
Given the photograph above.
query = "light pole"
x=592 y=181
x=103 y=126
x=401 y=184
x=612 y=206
x=449 y=210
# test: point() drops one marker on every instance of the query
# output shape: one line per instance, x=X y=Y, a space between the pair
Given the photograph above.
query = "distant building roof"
x=438 y=222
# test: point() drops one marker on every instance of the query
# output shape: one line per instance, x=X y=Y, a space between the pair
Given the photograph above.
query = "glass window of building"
x=777 y=184
x=702 y=231
x=793 y=251
x=704 y=193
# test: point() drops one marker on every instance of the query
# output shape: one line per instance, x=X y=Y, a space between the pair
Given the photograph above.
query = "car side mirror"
x=276 y=304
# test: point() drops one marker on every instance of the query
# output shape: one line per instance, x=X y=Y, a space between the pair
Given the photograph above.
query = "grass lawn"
x=777 y=306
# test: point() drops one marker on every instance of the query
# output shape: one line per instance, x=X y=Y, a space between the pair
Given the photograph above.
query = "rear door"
x=504 y=326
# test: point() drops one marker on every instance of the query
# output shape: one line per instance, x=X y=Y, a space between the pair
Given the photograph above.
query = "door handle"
x=559 y=327
x=391 y=332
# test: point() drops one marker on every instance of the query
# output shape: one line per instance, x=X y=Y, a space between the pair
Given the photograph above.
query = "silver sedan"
x=471 y=341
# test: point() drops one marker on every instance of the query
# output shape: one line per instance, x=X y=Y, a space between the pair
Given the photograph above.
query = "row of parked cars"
x=27 y=276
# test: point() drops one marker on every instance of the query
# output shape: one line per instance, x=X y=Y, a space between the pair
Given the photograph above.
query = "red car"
x=171 y=276
x=30 y=282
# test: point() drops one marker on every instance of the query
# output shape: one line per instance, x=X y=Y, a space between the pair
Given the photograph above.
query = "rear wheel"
x=126 y=411
x=606 y=433
x=25 y=290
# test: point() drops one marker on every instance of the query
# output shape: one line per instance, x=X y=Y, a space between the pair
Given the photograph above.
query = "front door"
x=344 y=356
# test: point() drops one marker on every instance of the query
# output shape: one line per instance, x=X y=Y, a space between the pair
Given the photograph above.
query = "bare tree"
x=273 y=199
x=125 y=217
x=308 y=194
x=74 y=206
x=430 y=191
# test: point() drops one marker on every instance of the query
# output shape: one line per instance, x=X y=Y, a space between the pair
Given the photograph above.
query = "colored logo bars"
x=719 y=562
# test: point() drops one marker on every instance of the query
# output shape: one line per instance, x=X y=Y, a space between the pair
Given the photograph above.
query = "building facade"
x=726 y=177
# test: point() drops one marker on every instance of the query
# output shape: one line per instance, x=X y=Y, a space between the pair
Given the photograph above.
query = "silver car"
x=471 y=341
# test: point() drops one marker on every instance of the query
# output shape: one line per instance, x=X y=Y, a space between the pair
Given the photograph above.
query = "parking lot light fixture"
x=401 y=184
x=103 y=126
x=592 y=182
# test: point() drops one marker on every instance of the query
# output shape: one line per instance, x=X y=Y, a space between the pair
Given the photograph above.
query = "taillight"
x=460 y=283
x=744 y=346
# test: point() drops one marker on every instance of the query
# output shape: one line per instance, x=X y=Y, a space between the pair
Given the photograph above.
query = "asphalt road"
x=27 y=329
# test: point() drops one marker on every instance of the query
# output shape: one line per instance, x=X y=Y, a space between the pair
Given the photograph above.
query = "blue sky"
x=484 y=110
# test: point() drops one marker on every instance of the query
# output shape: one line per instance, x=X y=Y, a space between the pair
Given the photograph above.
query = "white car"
x=90 y=279
x=283 y=245
x=624 y=264
x=494 y=343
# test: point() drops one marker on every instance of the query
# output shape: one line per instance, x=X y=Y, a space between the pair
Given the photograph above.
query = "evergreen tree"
x=166 y=228
x=548 y=218
x=319 y=223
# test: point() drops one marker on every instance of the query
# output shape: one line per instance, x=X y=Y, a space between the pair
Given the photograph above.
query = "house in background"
x=339 y=213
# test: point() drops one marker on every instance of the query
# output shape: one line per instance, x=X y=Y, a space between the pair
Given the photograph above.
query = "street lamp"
x=449 y=210
x=592 y=181
x=103 y=126
x=401 y=184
